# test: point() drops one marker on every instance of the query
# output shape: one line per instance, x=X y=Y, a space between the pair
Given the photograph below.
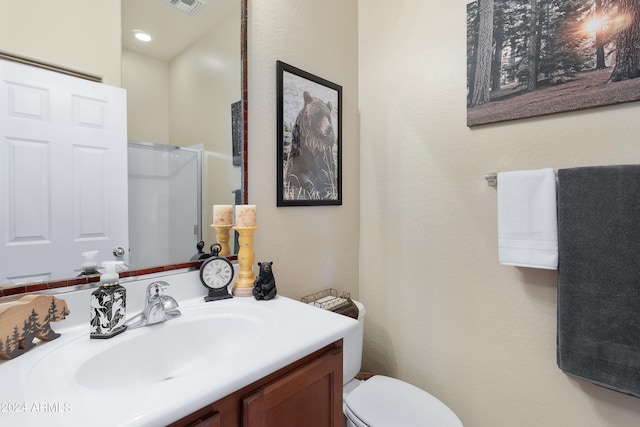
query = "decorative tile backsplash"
x=12 y=290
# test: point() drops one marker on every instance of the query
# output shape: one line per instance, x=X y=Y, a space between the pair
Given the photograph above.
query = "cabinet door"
x=309 y=396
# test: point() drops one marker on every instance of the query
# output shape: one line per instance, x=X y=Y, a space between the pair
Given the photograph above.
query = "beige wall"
x=80 y=35
x=312 y=248
x=442 y=313
x=147 y=82
x=205 y=81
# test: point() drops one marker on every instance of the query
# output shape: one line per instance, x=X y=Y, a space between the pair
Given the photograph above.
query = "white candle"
x=245 y=215
x=222 y=214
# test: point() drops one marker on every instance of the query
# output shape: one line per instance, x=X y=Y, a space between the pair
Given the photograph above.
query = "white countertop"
x=40 y=388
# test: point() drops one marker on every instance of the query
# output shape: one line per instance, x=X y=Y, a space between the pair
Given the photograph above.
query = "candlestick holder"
x=244 y=283
x=222 y=237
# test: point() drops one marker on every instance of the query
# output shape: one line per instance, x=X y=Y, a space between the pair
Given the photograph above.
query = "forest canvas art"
x=528 y=58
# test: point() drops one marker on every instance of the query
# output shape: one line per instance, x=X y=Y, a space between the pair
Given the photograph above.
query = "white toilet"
x=383 y=401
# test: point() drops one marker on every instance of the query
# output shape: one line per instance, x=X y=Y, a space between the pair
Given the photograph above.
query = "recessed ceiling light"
x=143 y=37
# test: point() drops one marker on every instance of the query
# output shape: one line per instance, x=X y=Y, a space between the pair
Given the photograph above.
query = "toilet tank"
x=352 y=351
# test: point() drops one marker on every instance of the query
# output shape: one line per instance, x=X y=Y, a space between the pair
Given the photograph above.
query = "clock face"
x=216 y=273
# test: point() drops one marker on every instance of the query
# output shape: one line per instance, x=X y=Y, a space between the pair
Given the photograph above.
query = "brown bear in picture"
x=310 y=172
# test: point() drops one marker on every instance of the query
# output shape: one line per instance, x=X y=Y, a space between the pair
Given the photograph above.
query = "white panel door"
x=63 y=173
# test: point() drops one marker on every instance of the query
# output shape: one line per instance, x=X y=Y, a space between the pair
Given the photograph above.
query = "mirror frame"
x=60 y=285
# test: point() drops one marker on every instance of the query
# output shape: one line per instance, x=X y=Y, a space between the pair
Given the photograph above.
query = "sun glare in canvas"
x=593 y=25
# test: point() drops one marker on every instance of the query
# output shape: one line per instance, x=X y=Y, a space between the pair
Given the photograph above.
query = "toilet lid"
x=387 y=402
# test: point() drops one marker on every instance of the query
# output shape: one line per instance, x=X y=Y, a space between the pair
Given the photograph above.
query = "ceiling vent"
x=187 y=6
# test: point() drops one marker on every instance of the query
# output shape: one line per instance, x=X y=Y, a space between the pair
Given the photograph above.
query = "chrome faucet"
x=157 y=308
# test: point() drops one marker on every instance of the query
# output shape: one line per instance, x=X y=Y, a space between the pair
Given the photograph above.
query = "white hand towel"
x=528 y=219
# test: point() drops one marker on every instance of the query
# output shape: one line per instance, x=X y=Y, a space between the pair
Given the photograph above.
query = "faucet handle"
x=155 y=289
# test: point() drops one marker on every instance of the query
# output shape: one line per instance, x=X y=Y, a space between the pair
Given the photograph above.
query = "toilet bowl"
x=382 y=401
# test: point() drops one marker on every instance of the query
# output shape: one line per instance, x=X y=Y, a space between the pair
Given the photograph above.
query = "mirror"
x=182 y=52
x=183 y=90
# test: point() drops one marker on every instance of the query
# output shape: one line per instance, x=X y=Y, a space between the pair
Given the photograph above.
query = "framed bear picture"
x=309 y=139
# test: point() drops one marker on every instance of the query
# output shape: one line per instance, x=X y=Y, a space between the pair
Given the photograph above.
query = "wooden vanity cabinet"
x=306 y=393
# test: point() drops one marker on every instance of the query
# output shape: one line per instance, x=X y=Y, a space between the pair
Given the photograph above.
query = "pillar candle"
x=222 y=214
x=245 y=215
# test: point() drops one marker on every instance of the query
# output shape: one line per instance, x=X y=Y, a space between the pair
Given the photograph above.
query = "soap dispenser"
x=89 y=265
x=108 y=304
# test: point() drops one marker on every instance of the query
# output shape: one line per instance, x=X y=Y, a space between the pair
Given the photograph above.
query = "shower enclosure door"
x=165 y=203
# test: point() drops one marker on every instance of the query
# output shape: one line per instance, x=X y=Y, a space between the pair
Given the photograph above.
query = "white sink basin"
x=204 y=337
x=165 y=351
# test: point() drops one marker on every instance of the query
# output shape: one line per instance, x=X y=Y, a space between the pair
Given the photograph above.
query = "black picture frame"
x=309 y=138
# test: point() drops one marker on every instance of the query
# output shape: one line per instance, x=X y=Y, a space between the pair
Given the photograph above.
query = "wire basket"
x=329 y=299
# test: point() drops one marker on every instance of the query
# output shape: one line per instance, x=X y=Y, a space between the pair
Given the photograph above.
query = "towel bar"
x=492 y=179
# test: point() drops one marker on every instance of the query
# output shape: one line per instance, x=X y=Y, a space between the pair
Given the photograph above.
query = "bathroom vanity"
x=306 y=393
x=235 y=362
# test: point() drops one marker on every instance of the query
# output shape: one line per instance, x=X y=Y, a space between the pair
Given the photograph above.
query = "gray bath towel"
x=599 y=275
